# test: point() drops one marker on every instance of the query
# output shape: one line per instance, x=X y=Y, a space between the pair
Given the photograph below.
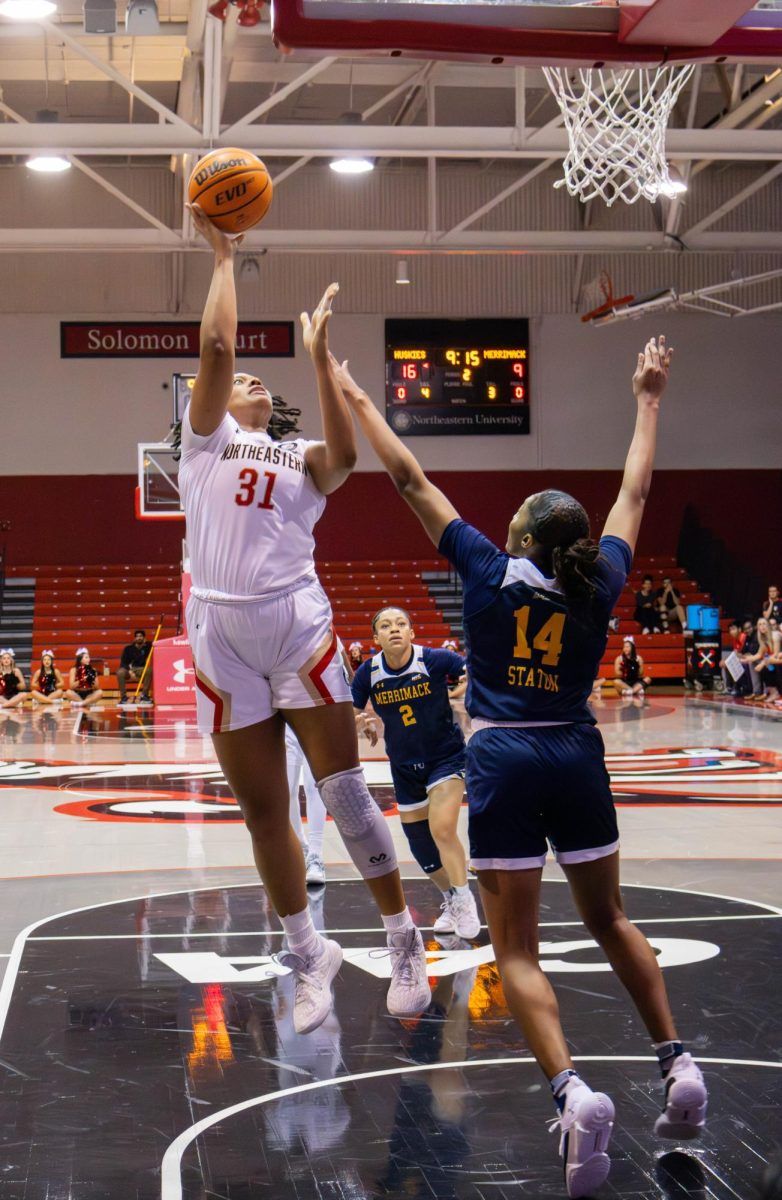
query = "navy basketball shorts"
x=414 y=781
x=531 y=788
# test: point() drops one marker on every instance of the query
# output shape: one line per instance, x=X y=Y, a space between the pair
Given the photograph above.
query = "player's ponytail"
x=574 y=567
x=561 y=526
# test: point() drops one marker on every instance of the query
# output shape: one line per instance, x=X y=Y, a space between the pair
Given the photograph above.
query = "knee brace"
x=423 y=845
x=360 y=822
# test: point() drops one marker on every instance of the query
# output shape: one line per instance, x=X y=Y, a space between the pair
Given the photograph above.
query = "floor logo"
x=144 y=791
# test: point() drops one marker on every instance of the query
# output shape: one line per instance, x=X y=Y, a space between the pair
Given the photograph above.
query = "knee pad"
x=423 y=845
x=360 y=822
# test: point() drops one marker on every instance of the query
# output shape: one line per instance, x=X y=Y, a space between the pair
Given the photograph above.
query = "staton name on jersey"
x=279 y=456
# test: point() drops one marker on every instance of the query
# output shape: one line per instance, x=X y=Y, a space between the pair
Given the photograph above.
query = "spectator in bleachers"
x=772 y=605
x=47 y=684
x=737 y=639
x=760 y=646
x=669 y=604
x=13 y=689
x=131 y=667
x=82 y=680
x=355 y=655
x=647 y=610
x=769 y=664
x=629 y=678
x=751 y=647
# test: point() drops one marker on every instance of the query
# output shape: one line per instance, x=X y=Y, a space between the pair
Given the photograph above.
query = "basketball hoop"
x=616 y=121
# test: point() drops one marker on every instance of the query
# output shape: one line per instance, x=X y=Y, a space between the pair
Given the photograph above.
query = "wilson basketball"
x=233 y=188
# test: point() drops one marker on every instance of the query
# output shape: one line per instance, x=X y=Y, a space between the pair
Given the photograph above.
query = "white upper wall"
x=723 y=408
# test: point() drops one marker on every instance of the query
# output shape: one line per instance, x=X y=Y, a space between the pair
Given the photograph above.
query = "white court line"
x=171 y=1174
x=15 y=957
x=134 y=937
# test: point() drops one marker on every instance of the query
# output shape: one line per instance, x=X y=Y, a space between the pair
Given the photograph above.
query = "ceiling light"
x=402 y=275
x=27 y=10
x=352 y=165
x=676 y=185
x=48 y=164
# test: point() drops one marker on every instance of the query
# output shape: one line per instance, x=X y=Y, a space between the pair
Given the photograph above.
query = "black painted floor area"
x=111 y=1054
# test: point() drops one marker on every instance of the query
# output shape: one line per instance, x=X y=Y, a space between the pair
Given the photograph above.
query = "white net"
x=616 y=121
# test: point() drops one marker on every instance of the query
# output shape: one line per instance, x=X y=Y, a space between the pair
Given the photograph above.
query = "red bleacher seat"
x=99 y=605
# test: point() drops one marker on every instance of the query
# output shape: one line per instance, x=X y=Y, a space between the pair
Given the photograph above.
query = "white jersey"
x=251 y=508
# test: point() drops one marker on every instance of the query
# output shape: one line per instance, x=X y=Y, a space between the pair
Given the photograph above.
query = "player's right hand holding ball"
x=224 y=244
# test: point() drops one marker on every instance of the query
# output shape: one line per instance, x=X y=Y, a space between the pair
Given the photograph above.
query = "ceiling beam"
x=116 y=192
x=272 y=101
x=757 y=185
x=381 y=141
x=386 y=241
x=55 y=31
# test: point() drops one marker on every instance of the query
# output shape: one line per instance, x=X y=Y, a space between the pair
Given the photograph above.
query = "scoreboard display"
x=457 y=377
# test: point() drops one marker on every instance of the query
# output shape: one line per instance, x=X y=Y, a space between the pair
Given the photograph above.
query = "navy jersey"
x=532 y=655
x=413 y=703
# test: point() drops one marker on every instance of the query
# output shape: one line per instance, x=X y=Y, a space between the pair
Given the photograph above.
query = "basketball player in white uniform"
x=264 y=647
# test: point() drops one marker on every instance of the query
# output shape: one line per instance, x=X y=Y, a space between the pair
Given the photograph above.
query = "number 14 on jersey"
x=547 y=641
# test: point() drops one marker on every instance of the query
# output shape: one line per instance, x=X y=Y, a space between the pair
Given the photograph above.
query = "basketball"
x=233 y=188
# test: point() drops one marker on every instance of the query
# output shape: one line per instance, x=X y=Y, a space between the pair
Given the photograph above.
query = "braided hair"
x=284 y=420
x=561 y=527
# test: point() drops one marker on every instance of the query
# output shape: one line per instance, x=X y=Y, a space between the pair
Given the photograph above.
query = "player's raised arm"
x=433 y=509
x=649 y=381
x=330 y=461
x=214 y=381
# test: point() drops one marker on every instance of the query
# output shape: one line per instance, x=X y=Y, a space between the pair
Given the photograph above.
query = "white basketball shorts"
x=254 y=657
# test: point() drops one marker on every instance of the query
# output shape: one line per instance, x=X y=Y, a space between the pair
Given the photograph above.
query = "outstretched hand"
x=222 y=243
x=350 y=389
x=315 y=328
x=651 y=372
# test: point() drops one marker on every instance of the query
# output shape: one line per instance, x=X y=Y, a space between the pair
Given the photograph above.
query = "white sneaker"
x=314 y=976
x=446 y=922
x=585 y=1125
x=686 y=1100
x=315 y=868
x=409 y=993
x=465 y=913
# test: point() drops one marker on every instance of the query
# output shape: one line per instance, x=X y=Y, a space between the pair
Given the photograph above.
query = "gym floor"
x=147 y=1043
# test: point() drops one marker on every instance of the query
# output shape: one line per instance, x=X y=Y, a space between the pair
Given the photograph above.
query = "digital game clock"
x=457 y=377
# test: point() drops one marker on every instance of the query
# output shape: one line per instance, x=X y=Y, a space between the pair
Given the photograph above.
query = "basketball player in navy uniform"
x=536 y=618
x=408 y=687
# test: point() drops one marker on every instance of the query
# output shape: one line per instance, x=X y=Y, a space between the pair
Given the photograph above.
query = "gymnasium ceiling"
x=466 y=155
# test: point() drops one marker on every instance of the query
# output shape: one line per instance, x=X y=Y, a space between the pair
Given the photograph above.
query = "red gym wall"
x=89 y=519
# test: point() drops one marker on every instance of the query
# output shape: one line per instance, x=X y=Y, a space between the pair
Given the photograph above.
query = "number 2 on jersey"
x=248 y=482
x=406 y=713
x=548 y=639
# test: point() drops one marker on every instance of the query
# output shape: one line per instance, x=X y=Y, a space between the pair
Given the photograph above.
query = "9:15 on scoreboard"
x=457 y=377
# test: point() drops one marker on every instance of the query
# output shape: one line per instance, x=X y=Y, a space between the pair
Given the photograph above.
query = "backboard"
x=537 y=32
x=157 y=494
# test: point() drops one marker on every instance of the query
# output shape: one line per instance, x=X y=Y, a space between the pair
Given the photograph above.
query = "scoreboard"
x=457 y=377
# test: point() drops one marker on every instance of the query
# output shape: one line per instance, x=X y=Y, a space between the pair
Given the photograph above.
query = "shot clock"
x=457 y=377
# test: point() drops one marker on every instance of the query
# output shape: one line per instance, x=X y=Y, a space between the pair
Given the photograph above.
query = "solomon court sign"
x=168 y=339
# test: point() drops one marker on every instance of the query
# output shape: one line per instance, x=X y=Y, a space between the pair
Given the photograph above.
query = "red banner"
x=168 y=339
x=173 y=677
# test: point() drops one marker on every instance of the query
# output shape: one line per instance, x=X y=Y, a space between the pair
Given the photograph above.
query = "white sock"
x=300 y=932
x=462 y=889
x=398 y=922
x=316 y=813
